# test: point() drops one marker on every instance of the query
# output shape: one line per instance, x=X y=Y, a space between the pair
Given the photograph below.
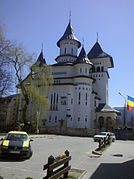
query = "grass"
x=72 y=177
x=102 y=149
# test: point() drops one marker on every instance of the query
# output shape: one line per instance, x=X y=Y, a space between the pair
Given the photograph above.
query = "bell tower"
x=101 y=62
x=68 y=45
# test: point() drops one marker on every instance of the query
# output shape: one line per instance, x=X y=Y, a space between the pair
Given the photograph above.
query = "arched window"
x=98 y=69
x=101 y=122
x=51 y=98
x=72 y=51
x=109 y=125
x=54 y=98
x=65 y=51
x=102 y=68
x=57 y=99
x=55 y=119
x=79 y=97
x=93 y=69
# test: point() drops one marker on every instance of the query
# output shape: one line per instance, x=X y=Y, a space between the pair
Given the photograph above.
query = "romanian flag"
x=130 y=103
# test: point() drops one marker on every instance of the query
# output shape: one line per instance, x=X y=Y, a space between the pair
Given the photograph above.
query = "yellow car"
x=16 y=144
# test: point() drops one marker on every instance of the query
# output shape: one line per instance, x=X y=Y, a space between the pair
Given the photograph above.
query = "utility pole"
x=37 y=122
x=124 y=117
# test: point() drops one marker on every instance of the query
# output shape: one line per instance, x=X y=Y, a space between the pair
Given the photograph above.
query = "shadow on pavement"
x=10 y=159
x=115 y=171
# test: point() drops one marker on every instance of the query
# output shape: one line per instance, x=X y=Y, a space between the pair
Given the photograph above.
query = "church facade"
x=79 y=97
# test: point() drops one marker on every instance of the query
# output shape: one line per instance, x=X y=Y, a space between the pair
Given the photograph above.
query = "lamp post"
x=124 y=124
x=37 y=122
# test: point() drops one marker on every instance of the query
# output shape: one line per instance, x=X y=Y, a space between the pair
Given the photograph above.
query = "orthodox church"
x=79 y=97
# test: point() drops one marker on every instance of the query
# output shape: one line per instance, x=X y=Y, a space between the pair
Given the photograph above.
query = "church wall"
x=64 y=106
x=100 y=74
x=101 y=85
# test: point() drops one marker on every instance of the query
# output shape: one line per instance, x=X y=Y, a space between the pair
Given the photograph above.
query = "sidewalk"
x=117 y=162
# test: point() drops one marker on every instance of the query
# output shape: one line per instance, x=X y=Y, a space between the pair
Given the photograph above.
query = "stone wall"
x=83 y=132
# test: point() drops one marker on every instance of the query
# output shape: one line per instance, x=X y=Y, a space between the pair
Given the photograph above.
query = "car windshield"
x=16 y=137
x=103 y=133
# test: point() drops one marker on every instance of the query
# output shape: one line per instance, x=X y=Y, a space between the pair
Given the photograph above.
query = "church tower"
x=68 y=45
x=102 y=61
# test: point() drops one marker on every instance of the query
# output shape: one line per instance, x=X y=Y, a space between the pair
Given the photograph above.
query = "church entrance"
x=101 y=123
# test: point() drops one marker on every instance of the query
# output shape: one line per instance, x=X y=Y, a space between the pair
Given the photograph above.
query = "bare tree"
x=6 y=77
x=38 y=80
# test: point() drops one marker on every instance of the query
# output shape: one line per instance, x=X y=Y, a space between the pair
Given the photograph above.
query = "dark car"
x=16 y=144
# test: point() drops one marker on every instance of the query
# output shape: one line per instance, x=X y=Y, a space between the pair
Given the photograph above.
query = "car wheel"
x=30 y=155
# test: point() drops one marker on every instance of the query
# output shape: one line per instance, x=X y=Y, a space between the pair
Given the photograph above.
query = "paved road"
x=107 y=166
x=43 y=147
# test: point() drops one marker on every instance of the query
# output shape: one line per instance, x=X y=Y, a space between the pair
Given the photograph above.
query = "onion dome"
x=69 y=35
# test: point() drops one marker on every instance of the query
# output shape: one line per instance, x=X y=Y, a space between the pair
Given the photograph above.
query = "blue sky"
x=33 y=22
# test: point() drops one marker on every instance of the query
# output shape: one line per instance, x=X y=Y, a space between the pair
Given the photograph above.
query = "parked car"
x=102 y=135
x=113 y=136
x=16 y=144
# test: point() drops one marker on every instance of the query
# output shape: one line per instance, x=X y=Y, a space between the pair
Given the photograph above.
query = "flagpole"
x=124 y=124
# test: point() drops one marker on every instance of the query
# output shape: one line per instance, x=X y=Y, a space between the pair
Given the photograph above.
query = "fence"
x=125 y=134
x=56 y=167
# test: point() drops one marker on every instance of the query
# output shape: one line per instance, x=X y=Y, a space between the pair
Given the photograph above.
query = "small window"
x=86 y=96
x=78 y=119
x=80 y=70
x=49 y=118
x=71 y=100
x=102 y=69
x=85 y=119
x=85 y=70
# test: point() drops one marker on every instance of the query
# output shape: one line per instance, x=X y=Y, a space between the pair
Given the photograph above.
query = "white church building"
x=79 y=97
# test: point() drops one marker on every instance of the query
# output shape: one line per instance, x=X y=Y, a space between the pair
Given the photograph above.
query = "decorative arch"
x=109 y=124
x=101 y=122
